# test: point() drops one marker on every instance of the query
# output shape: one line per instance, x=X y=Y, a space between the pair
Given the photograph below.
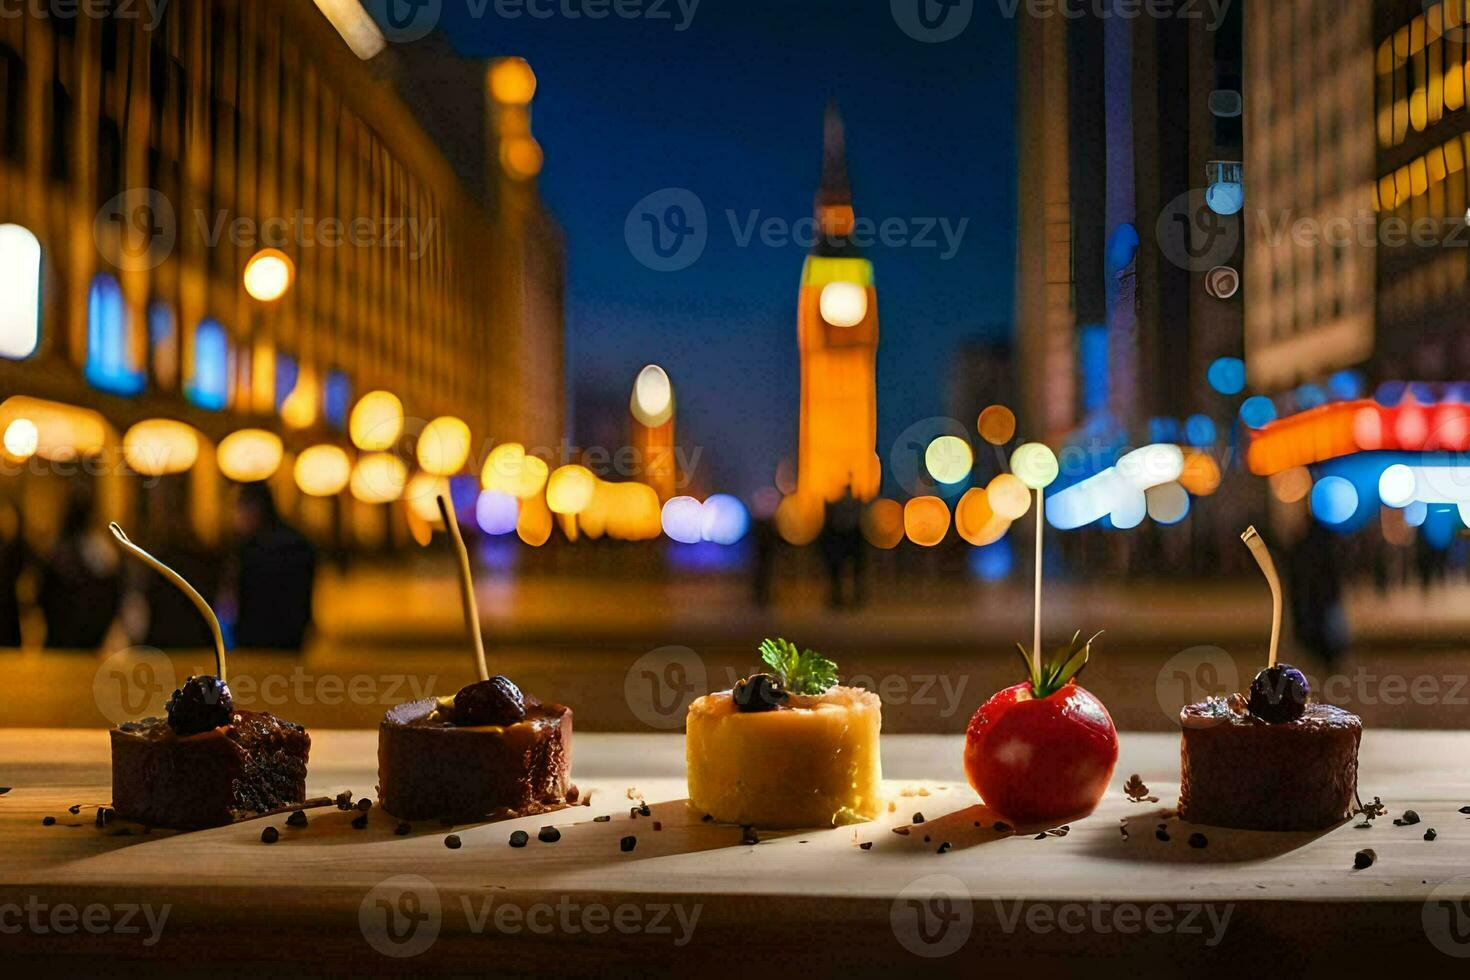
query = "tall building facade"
x=146 y=164
x=1128 y=280
x=1420 y=128
x=837 y=337
x=1311 y=273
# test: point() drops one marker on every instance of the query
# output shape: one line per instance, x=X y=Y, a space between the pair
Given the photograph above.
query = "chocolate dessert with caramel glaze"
x=488 y=749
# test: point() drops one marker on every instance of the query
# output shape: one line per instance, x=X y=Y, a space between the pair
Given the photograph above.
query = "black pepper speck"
x=549 y=835
x=627 y=844
x=519 y=838
x=452 y=842
x=48 y=821
x=1364 y=858
x=270 y=835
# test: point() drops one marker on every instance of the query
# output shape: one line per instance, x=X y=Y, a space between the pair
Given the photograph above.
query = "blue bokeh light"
x=1258 y=411
x=1334 y=500
x=1227 y=375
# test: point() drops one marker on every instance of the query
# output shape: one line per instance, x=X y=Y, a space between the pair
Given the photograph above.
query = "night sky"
x=731 y=109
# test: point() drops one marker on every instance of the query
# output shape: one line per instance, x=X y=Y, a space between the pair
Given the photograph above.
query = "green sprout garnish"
x=1059 y=668
x=807 y=672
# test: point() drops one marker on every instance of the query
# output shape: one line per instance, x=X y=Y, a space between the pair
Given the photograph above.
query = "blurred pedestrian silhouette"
x=273 y=572
x=12 y=565
x=81 y=579
x=173 y=622
x=1314 y=570
x=842 y=547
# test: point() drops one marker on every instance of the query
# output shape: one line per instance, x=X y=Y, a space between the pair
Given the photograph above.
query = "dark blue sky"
x=731 y=109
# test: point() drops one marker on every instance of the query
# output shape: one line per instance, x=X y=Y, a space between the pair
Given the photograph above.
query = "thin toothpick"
x=1258 y=548
x=184 y=587
x=466 y=584
x=1036 y=625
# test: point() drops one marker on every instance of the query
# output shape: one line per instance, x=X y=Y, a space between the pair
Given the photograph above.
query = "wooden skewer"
x=184 y=587
x=466 y=584
x=1036 y=624
x=1262 y=555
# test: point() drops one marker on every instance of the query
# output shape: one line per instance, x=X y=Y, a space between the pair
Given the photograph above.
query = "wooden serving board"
x=691 y=895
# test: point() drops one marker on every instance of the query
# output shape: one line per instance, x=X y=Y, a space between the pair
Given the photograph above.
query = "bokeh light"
x=926 y=521
x=949 y=459
x=376 y=422
x=1009 y=497
x=444 y=446
x=724 y=519
x=1167 y=503
x=1199 y=431
x=1258 y=411
x=497 y=512
x=63 y=432
x=1201 y=474
x=683 y=520
x=510 y=470
x=156 y=447
x=997 y=425
x=512 y=82
x=653 y=397
x=976 y=521
x=993 y=562
x=1129 y=511
x=268 y=275
x=1227 y=375
x=535 y=521
x=1334 y=500
x=250 y=455
x=323 y=471
x=569 y=490
x=379 y=478
x=883 y=523
x=21 y=439
x=1397 y=486
x=422 y=496
x=1291 y=486
x=844 y=304
x=799 y=519
x=1035 y=465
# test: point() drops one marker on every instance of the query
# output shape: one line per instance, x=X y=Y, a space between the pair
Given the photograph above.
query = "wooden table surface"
x=691 y=895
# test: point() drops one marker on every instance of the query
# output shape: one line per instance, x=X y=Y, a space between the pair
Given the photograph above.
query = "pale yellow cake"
x=812 y=762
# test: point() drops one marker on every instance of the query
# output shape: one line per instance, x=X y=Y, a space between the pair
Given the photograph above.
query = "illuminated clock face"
x=844 y=304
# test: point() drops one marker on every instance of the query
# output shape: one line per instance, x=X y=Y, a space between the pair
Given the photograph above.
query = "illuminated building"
x=1309 y=158
x=1122 y=267
x=837 y=335
x=408 y=265
x=1421 y=115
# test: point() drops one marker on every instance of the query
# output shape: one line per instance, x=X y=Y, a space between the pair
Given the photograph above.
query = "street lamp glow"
x=569 y=490
x=20 y=292
x=21 y=439
x=250 y=455
x=268 y=275
x=159 y=447
x=323 y=471
x=377 y=421
x=379 y=478
x=1009 y=497
x=444 y=446
x=843 y=304
x=1397 y=486
x=949 y=459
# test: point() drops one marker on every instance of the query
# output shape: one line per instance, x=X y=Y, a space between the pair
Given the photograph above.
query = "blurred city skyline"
x=730 y=109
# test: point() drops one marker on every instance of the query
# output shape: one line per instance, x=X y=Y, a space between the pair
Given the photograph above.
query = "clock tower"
x=837 y=336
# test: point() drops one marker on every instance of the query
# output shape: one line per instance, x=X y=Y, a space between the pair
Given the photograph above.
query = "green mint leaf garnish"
x=1058 y=668
x=804 y=672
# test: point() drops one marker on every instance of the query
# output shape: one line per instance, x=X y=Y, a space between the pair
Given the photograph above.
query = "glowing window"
x=209 y=379
x=20 y=292
x=163 y=341
x=339 y=400
x=109 y=360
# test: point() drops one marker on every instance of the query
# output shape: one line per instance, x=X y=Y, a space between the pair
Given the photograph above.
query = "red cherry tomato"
x=1042 y=761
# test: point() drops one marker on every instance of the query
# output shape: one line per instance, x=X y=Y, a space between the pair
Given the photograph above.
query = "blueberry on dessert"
x=488 y=748
x=788 y=748
x=206 y=764
x=1272 y=760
